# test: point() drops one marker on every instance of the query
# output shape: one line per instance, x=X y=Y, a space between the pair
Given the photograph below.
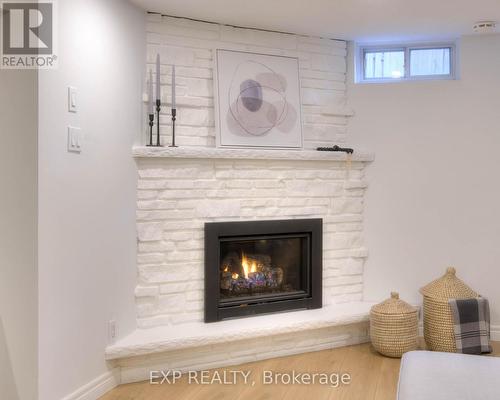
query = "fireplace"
x=255 y=267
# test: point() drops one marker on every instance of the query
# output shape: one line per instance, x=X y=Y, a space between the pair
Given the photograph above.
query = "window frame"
x=362 y=49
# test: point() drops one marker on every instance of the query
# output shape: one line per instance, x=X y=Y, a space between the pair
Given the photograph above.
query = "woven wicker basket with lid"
x=438 y=319
x=393 y=327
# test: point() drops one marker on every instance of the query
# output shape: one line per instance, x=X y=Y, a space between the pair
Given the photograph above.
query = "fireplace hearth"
x=256 y=267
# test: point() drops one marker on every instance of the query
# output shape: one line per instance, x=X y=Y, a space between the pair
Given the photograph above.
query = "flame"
x=254 y=267
x=226 y=268
x=235 y=276
x=244 y=264
x=248 y=265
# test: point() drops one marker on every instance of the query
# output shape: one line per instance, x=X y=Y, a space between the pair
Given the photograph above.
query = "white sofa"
x=426 y=375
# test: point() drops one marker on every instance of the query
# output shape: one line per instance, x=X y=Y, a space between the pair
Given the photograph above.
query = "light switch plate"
x=72 y=101
x=74 y=139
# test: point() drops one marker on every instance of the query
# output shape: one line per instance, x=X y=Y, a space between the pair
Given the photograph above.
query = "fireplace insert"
x=255 y=267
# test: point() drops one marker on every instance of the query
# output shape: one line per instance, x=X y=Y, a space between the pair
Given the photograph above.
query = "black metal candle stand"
x=158 y=108
x=151 y=123
x=174 y=115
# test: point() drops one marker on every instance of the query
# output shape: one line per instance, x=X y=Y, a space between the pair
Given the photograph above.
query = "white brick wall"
x=190 y=46
x=177 y=196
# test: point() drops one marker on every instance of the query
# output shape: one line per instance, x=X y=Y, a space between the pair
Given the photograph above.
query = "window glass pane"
x=384 y=64
x=425 y=62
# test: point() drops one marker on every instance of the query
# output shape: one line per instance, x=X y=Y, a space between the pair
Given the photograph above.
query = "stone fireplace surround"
x=182 y=188
x=179 y=190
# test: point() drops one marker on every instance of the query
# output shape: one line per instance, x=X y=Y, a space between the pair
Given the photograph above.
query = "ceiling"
x=362 y=20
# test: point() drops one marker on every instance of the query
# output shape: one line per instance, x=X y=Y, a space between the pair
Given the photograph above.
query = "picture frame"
x=257 y=100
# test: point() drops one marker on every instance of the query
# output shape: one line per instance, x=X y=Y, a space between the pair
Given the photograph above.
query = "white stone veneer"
x=136 y=369
x=199 y=346
x=177 y=196
x=190 y=44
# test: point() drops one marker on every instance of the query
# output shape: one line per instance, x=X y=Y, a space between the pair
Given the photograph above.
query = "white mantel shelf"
x=192 y=335
x=249 y=154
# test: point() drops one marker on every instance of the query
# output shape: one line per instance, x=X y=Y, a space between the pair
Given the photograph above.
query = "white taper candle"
x=173 y=86
x=158 y=86
x=150 y=93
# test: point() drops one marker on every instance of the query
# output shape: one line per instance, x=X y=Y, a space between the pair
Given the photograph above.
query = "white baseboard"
x=97 y=387
x=495 y=332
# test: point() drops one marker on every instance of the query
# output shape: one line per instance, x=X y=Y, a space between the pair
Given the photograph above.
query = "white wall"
x=18 y=276
x=87 y=242
x=434 y=195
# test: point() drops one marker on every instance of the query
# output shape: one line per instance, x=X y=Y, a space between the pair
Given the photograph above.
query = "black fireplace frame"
x=215 y=232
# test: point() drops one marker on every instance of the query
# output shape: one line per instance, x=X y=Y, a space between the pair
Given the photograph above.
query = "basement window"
x=397 y=63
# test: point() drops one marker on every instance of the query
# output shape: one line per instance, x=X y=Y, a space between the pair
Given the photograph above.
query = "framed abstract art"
x=257 y=100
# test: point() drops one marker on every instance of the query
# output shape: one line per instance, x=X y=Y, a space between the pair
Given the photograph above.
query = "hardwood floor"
x=372 y=377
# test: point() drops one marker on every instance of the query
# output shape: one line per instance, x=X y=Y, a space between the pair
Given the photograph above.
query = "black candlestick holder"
x=158 y=108
x=174 y=115
x=151 y=123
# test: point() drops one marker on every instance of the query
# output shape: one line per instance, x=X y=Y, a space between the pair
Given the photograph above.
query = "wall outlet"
x=112 y=331
x=74 y=139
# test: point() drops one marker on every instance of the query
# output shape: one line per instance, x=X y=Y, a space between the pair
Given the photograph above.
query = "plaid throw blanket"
x=472 y=325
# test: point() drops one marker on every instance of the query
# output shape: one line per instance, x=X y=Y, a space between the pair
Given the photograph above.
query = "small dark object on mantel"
x=336 y=148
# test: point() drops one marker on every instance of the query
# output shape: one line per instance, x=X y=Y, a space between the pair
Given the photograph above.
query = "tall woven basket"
x=438 y=320
x=393 y=327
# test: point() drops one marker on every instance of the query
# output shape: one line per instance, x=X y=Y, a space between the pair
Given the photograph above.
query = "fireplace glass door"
x=269 y=266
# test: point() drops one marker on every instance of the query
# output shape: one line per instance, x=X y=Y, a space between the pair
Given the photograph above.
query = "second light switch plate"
x=74 y=139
